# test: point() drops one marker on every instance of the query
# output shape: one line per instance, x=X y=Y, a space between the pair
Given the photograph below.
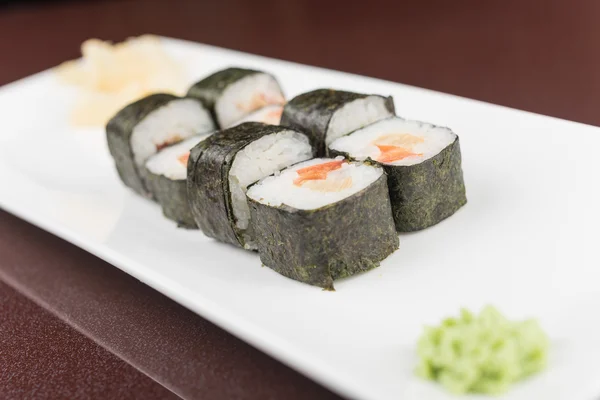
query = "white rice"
x=270 y=114
x=175 y=121
x=245 y=96
x=355 y=115
x=361 y=144
x=281 y=190
x=166 y=162
x=261 y=158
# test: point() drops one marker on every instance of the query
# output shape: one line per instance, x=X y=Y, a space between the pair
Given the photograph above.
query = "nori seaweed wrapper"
x=332 y=242
x=118 y=135
x=209 y=164
x=311 y=112
x=172 y=196
x=424 y=194
x=209 y=89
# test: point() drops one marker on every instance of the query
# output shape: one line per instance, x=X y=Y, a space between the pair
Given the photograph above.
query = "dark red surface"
x=42 y=357
x=541 y=56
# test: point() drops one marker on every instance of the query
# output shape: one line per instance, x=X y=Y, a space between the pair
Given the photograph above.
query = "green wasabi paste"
x=482 y=353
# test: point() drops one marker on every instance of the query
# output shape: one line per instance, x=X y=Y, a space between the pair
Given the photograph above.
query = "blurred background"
x=537 y=55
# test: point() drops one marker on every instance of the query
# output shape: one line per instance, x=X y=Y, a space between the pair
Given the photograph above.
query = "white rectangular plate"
x=527 y=241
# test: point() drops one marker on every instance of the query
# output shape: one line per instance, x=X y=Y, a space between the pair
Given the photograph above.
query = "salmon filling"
x=172 y=161
x=316 y=172
x=171 y=140
x=270 y=114
x=274 y=117
x=397 y=146
x=329 y=186
x=184 y=158
x=259 y=100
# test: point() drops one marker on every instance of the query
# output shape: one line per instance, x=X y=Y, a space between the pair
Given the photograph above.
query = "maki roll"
x=270 y=114
x=165 y=175
x=423 y=164
x=233 y=93
x=323 y=219
x=326 y=114
x=221 y=168
x=143 y=128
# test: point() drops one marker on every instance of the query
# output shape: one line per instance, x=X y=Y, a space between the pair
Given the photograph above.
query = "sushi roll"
x=165 y=175
x=270 y=114
x=143 y=128
x=233 y=93
x=325 y=114
x=423 y=164
x=222 y=167
x=323 y=219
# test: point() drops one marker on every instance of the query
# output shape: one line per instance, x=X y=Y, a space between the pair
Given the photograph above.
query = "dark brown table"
x=73 y=326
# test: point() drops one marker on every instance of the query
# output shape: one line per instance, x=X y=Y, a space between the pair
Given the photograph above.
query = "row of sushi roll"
x=319 y=185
